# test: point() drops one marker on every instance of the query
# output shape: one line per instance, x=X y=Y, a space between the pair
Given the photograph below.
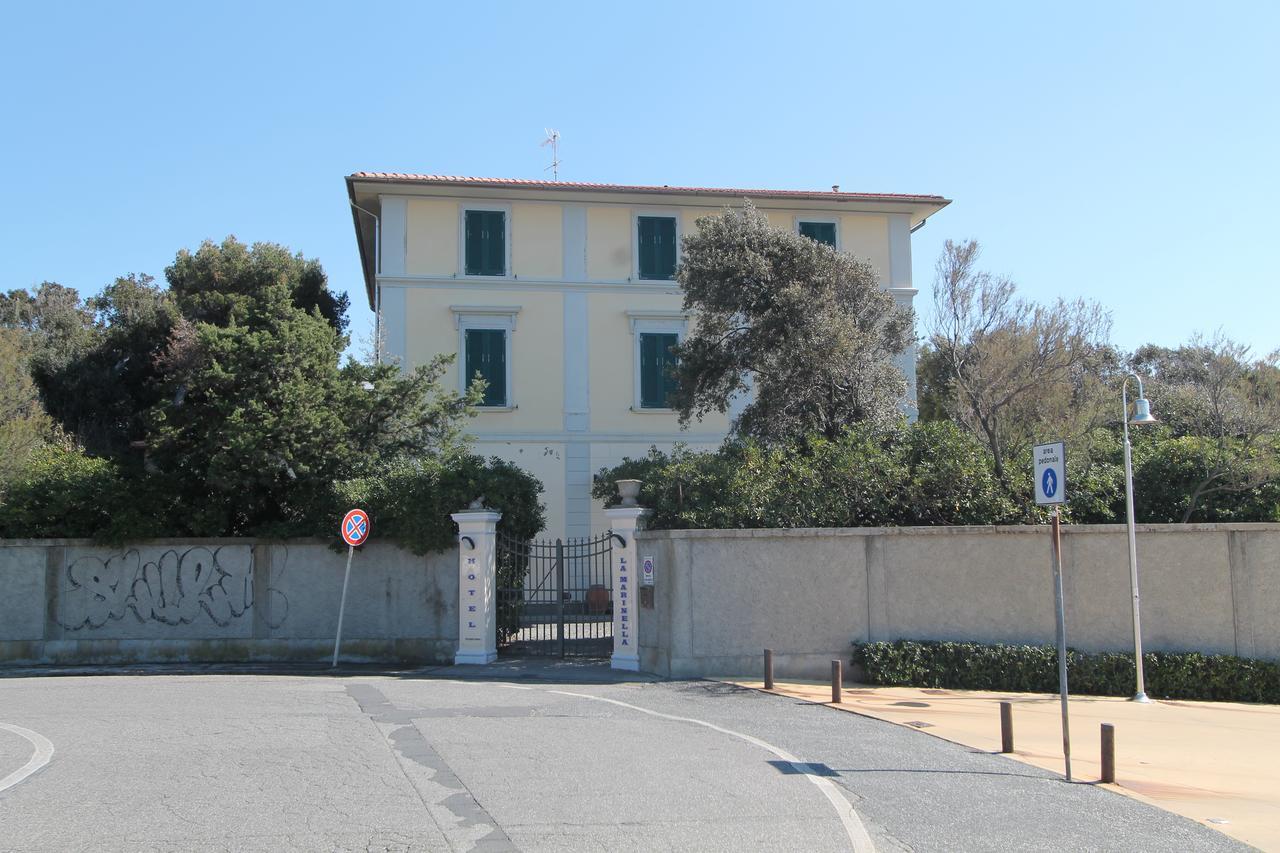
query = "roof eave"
x=368 y=270
x=626 y=189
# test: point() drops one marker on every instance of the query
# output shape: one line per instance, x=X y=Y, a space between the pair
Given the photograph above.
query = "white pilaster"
x=626 y=646
x=477 y=586
x=899 y=250
x=575 y=242
x=903 y=294
x=394 y=239
x=577 y=353
x=394 y=323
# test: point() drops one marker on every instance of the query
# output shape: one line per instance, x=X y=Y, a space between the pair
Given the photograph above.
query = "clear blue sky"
x=1124 y=153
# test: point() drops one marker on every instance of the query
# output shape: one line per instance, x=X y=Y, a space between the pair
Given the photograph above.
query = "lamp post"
x=1141 y=415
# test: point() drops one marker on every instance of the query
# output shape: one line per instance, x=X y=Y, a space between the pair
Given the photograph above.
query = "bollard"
x=768 y=669
x=1108 y=753
x=1006 y=727
x=835 y=682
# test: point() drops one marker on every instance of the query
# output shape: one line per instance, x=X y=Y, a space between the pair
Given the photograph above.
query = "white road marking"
x=858 y=835
x=39 y=758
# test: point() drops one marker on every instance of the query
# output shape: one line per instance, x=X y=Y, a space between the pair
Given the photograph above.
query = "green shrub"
x=411 y=502
x=65 y=493
x=921 y=474
x=1034 y=669
x=1167 y=469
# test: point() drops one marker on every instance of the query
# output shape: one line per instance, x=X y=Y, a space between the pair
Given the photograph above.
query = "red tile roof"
x=522 y=183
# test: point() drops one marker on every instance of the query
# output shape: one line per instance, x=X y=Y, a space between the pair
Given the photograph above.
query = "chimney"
x=835 y=188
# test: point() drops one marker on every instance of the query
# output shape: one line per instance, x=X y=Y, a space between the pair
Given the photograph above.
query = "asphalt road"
x=569 y=760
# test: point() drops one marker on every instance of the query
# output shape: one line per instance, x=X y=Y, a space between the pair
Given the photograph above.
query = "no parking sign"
x=355 y=527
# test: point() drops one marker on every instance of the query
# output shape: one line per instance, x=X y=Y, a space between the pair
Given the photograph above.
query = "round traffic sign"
x=355 y=527
x=1049 y=483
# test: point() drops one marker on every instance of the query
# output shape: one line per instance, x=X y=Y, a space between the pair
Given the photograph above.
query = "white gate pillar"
x=477 y=586
x=623 y=521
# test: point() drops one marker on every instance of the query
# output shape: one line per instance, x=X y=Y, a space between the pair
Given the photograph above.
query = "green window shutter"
x=485 y=233
x=644 y=230
x=657 y=239
x=667 y=248
x=471 y=241
x=823 y=232
x=496 y=241
x=656 y=363
x=487 y=355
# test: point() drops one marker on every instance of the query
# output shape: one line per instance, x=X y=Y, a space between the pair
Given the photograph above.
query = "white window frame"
x=832 y=220
x=496 y=207
x=646 y=323
x=663 y=212
x=486 y=318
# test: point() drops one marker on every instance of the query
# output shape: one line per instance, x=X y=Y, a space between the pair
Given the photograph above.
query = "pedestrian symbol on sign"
x=1050 y=482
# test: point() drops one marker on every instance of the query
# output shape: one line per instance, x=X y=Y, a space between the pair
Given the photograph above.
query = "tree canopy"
x=1015 y=373
x=224 y=397
x=24 y=426
x=222 y=283
x=1011 y=371
x=1221 y=409
x=803 y=328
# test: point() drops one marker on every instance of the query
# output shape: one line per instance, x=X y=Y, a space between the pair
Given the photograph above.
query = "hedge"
x=67 y=494
x=911 y=474
x=922 y=474
x=1034 y=669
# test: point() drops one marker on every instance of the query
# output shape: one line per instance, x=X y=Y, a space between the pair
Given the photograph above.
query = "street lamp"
x=1141 y=415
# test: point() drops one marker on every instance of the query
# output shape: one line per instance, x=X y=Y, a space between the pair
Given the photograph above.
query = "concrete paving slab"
x=1217 y=763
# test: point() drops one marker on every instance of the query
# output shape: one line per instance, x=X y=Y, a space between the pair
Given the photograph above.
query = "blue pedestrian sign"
x=1051 y=473
x=1049 y=482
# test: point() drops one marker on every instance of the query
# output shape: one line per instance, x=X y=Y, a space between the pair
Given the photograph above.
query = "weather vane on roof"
x=553 y=139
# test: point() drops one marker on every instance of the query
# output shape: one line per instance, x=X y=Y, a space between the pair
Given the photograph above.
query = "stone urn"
x=630 y=490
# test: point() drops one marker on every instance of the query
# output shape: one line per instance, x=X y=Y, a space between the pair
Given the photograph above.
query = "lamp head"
x=1142 y=412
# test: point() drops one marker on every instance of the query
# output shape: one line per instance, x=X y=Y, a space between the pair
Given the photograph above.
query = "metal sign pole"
x=351 y=550
x=1062 y=638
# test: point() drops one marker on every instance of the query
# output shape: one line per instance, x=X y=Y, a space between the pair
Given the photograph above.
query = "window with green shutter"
x=656 y=237
x=823 y=232
x=656 y=364
x=486 y=242
x=487 y=355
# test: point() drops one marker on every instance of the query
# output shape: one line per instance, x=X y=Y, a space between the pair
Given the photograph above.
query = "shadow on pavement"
x=561 y=671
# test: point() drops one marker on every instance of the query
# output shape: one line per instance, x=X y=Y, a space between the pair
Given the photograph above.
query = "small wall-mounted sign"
x=646 y=576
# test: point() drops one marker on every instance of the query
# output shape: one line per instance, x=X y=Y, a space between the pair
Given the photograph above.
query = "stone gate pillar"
x=477 y=586
x=624 y=520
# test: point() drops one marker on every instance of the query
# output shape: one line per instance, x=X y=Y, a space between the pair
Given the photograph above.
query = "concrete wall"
x=721 y=596
x=69 y=601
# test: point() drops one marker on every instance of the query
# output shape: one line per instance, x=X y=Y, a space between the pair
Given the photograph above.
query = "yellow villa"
x=562 y=295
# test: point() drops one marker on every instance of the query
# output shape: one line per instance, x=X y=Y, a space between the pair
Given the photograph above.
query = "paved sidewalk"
x=1217 y=763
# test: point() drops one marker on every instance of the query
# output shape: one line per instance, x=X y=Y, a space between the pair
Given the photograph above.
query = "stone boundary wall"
x=70 y=601
x=722 y=596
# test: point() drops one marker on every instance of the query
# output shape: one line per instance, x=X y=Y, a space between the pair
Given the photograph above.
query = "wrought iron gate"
x=555 y=598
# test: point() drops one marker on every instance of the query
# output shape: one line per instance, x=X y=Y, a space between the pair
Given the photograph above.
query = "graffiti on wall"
x=174 y=589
